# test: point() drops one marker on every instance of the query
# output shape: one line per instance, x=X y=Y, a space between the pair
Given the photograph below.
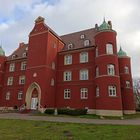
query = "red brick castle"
x=77 y=70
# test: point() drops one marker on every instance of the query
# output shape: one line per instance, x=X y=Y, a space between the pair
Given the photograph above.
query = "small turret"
x=122 y=53
x=2 y=52
x=126 y=82
x=104 y=26
x=39 y=20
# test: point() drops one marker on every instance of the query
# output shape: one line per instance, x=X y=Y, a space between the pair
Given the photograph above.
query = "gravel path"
x=69 y=119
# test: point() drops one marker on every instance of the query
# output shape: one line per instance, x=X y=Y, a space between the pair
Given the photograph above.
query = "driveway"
x=135 y=121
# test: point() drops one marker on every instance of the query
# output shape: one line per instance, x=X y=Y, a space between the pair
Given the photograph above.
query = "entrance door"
x=34 y=103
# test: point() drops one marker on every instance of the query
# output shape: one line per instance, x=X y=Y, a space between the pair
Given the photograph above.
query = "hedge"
x=49 y=111
x=73 y=112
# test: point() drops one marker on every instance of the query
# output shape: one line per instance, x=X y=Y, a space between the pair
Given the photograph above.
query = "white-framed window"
x=22 y=80
x=84 y=74
x=109 y=48
x=83 y=57
x=52 y=82
x=86 y=43
x=67 y=76
x=97 y=71
x=26 y=48
x=84 y=93
x=97 y=91
x=126 y=70
x=70 y=46
x=7 y=96
x=20 y=95
x=67 y=94
x=14 y=56
x=127 y=84
x=96 y=52
x=68 y=59
x=12 y=67
x=24 y=54
x=23 y=65
x=82 y=36
x=110 y=69
x=112 y=90
x=53 y=65
x=10 y=81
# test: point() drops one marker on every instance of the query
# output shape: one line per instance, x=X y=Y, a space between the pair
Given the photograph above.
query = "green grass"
x=41 y=130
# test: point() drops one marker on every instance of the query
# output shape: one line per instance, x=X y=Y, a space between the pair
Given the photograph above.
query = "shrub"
x=63 y=111
x=73 y=112
x=15 y=107
x=49 y=111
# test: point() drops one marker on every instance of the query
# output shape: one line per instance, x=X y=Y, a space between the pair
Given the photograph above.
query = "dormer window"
x=24 y=54
x=26 y=48
x=82 y=36
x=13 y=56
x=70 y=46
x=86 y=43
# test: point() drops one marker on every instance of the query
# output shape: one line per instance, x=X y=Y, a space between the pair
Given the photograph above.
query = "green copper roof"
x=104 y=26
x=121 y=53
x=2 y=53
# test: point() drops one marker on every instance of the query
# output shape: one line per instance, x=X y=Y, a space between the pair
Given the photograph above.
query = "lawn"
x=40 y=130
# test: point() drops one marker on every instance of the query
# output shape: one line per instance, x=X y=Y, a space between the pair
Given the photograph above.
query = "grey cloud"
x=73 y=15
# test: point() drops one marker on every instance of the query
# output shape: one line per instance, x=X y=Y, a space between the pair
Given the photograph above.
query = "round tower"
x=107 y=80
x=126 y=82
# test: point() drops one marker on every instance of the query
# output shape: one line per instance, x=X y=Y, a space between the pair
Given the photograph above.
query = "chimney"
x=96 y=26
x=109 y=22
x=39 y=20
x=21 y=44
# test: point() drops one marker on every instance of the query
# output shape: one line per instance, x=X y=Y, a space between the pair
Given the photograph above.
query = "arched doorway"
x=33 y=97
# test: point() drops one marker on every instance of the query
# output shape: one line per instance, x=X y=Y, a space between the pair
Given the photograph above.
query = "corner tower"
x=126 y=82
x=107 y=80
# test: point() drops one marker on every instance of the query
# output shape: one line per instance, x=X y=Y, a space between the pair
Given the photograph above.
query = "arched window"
x=67 y=76
x=52 y=82
x=86 y=43
x=111 y=69
x=126 y=70
x=70 y=46
x=97 y=91
x=20 y=95
x=7 y=97
x=97 y=71
x=109 y=48
x=24 y=54
x=96 y=52
x=83 y=57
x=12 y=67
x=22 y=80
x=112 y=90
x=23 y=65
x=84 y=74
x=68 y=59
x=127 y=84
x=53 y=65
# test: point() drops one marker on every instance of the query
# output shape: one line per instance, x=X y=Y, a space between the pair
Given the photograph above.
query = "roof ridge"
x=77 y=32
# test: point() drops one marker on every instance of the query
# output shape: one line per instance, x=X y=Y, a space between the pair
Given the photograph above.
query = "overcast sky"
x=65 y=16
